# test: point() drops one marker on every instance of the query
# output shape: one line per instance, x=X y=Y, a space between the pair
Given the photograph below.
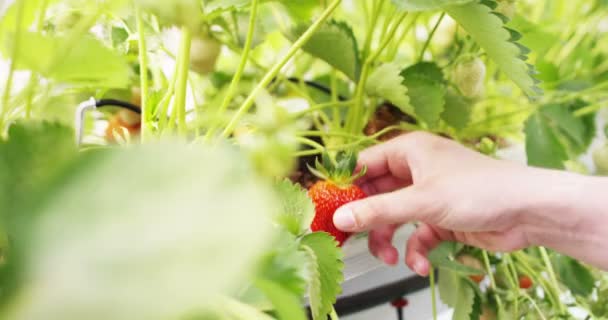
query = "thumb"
x=397 y=207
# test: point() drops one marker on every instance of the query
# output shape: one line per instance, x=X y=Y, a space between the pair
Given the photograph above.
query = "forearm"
x=569 y=213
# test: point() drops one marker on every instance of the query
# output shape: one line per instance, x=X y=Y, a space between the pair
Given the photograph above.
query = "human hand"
x=459 y=195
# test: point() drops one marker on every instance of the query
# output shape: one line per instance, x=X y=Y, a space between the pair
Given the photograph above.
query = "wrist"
x=568 y=213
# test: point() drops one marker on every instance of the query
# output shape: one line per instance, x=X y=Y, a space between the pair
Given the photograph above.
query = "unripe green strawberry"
x=469 y=77
x=334 y=190
x=600 y=158
x=204 y=54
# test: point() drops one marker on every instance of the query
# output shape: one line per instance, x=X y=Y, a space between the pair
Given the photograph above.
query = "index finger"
x=388 y=158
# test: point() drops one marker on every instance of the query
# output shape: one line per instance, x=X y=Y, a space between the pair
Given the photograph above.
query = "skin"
x=457 y=194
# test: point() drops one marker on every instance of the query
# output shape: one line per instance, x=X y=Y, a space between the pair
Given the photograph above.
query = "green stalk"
x=553 y=278
x=241 y=68
x=428 y=41
x=248 y=103
x=433 y=294
x=183 y=66
x=333 y=315
x=376 y=9
x=4 y=107
x=143 y=75
x=486 y=261
x=355 y=115
x=33 y=81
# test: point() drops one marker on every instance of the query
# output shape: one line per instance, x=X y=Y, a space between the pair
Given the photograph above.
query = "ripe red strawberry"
x=335 y=189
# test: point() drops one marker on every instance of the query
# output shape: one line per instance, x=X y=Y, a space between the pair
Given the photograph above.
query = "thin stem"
x=241 y=68
x=431 y=35
x=248 y=103
x=318 y=107
x=143 y=74
x=551 y=272
x=486 y=261
x=183 y=61
x=333 y=315
x=33 y=81
x=4 y=107
x=433 y=293
x=352 y=123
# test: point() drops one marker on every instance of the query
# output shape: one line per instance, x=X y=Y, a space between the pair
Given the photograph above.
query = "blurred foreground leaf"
x=150 y=232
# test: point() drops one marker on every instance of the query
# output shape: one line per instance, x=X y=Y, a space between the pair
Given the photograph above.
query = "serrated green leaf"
x=427 y=5
x=574 y=275
x=386 y=82
x=457 y=293
x=488 y=30
x=444 y=257
x=543 y=146
x=334 y=43
x=297 y=208
x=426 y=89
x=286 y=304
x=325 y=267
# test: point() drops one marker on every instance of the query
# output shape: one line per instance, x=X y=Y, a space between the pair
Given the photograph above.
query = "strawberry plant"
x=200 y=122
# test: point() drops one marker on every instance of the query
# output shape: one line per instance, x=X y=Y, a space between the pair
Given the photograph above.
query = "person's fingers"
x=381 y=246
x=384 y=159
x=383 y=184
x=420 y=243
x=397 y=207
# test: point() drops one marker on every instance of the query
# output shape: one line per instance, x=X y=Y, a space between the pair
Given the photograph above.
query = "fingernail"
x=344 y=219
x=419 y=267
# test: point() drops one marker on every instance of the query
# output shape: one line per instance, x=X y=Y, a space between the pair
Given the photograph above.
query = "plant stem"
x=4 y=107
x=143 y=75
x=433 y=293
x=241 y=68
x=33 y=81
x=355 y=115
x=376 y=9
x=552 y=277
x=431 y=35
x=333 y=315
x=248 y=103
x=183 y=65
x=486 y=261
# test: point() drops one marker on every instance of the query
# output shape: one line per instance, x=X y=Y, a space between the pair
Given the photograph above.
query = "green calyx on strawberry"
x=334 y=190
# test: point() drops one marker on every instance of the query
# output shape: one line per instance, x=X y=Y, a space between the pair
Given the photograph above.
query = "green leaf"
x=456 y=292
x=146 y=217
x=444 y=257
x=286 y=304
x=577 y=132
x=543 y=146
x=176 y=12
x=426 y=5
x=300 y=9
x=488 y=30
x=31 y=158
x=386 y=82
x=457 y=111
x=574 y=275
x=297 y=210
x=426 y=89
x=87 y=62
x=334 y=43
x=325 y=271
x=555 y=134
